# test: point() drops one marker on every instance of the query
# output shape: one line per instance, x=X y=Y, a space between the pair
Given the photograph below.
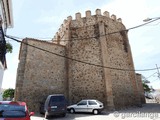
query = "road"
x=149 y=111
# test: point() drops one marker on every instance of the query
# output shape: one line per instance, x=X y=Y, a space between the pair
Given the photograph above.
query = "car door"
x=91 y=105
x=82 y=106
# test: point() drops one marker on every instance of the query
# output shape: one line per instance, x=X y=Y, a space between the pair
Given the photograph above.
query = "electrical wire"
x=154 y=24
x=115 y=31
x=151 y=75
x=89 y=38
x=75 y=38
x=76 y=59
x=44 y=39
x=143 y=24
x=154 y=80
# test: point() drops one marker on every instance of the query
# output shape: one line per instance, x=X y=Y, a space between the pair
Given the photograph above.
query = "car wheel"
x=46 y=116
x=72 y=110
x=95 y=112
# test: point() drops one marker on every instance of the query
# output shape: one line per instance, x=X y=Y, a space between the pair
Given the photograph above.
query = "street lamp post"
x=149 y=19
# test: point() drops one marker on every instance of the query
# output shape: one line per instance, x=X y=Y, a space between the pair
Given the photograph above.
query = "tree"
x=8 y=93
x=145 y=85
x=9 y=48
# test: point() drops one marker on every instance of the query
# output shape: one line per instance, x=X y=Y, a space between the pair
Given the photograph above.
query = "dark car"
x=41 y=108
x=55 y=104
x=11 y=110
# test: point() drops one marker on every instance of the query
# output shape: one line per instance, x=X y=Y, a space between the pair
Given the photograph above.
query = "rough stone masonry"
x=89 y=58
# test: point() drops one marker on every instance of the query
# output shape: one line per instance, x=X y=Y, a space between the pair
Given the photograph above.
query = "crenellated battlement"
x=88 y=20
x=89 y=15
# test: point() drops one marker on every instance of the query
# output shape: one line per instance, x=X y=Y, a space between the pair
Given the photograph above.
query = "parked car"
x=55 y=104
x=11 y=110
x=41 y=108
x=149 y=95
x=89 y=105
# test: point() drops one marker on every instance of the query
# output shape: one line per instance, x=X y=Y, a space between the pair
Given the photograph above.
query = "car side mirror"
x=31 y=113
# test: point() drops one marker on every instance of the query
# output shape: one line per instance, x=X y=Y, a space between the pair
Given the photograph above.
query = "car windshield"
x=57 y=99
x=12 y=111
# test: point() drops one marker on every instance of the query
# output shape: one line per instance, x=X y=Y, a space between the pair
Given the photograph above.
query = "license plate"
x=53 y=106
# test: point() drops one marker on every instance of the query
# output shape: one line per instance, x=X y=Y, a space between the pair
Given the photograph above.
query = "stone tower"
x=101 y=41
x=92 y=60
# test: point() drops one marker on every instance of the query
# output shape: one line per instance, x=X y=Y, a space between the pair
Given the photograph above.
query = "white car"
x=88 y=105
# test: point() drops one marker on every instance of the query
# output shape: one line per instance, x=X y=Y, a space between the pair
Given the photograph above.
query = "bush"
x=9 y=93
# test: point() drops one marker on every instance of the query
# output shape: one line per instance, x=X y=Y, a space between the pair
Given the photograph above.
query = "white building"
x=7 y=22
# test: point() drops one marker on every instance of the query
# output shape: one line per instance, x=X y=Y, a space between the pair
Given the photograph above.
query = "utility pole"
x=158 y=71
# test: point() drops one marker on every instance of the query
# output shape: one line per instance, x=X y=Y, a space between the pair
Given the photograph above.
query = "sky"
x=41 y=19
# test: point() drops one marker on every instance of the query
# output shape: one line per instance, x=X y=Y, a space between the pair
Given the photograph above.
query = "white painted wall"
x=1 y=76
x=1 y=79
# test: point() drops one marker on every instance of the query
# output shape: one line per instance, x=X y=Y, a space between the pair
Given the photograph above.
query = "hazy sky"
x=42 y=18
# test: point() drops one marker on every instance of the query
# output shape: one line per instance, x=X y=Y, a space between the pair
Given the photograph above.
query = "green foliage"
x=9 y=48
x=146 y=87
x=8 y=93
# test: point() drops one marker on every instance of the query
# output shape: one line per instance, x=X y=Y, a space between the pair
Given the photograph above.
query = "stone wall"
x=140 y=88
x=118 y=57
x=40 y=73
x=85 y=81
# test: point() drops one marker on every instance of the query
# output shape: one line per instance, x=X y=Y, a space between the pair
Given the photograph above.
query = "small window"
x=92 y=103
x=82 y=103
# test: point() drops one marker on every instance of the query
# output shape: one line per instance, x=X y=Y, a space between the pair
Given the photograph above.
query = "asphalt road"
x=149 y=111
